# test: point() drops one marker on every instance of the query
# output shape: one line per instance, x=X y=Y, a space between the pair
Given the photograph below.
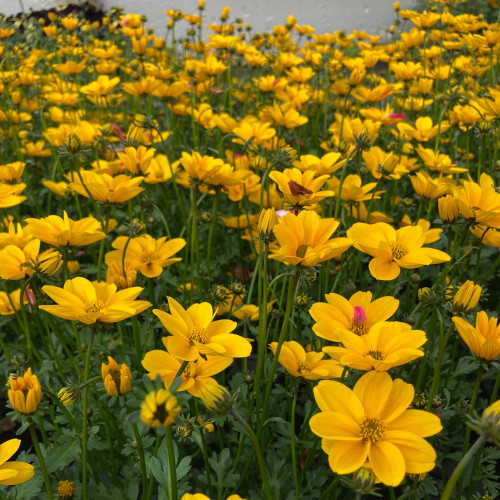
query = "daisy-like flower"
x=91 y=302
x=10 y=194
x=393 y=249
x=195 y=375
x=356 y=315
x=372 y=423
x=300 y=188
x=159 y=408
x=63 y=231
x=308 y=365
x=483 y=339
x=13 y=472
x=386 y=345
x=304 y=239
x=105 y=188
x=146 y=254
x=194 y=333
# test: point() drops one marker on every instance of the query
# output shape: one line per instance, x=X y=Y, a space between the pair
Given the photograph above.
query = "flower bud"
x=466 y=297
x=184 y=431
x=66 y=489
x=69 y=395
x=268 y=219
x=448 y=209
x=117 y=379
x=225 y=13
x=302 y=300
x=73 y=143
x=49 y=262
x=25 y=393
x=216 y=398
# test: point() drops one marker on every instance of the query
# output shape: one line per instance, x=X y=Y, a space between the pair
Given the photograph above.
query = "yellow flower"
x=267 y=221
x=100 y=87
x=63 y=231
x=427 y=187
x=117 y=379
x=357 y=315
x=105 y=188
x=352 y=190
x=10 y=194
x=15 y=261
x=304 y=239
x=13 y=472
x=195 y=375
x=308 y=365
x=386 y=345
x=300 y=188
x=216 y=397
x=194 y=496
x=10 y=172
x=479 y=203
x=70 y=23
x=159 y=409
x=36 y=148
x=145 y=254
x=137 y=160
x=372 y=423
x=10 y=303
x=438 y=162
x=483 y=339
x=392 y=249
x=66 y=489
x=423 y=130
x=90 y=302
x=48 y=262
x=200 y=168
x=25 y=393
x=467 y=297
x=194 y=333
x=448 y=209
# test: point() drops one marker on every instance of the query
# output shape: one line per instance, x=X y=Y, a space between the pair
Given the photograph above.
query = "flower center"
x=198 y=334
x=93 y=308
x=147 y=257
x=116 y=376
x=376 y=355
x=161 y=414
x=398 y=251
x=302 y=367
x=189 y=371
x=301 y=251
x=358 y=329
x=371 y=429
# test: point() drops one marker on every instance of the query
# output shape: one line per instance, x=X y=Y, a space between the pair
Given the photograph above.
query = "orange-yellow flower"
x=392 y=249
x=117 y=379
x=372 y=423
x=25 y=393
x=14 y=472
x=63 y=231
x=483 y=339
x=304 y=239
x=194 y=333
x=356 y=315
x=91 y=302
x=308 y=365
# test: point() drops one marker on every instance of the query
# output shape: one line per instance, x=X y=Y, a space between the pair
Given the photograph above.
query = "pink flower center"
x=359 y=316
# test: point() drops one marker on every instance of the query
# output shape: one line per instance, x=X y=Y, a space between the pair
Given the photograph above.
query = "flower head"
x=216 y=398
x=13 y=472
x=304 y=239
x=25 y=393
x=116 y=378
x=91 y=302
x=159 y=408
x=466 y=297
x=483 y=339
x=194 y=333
x=372 y=423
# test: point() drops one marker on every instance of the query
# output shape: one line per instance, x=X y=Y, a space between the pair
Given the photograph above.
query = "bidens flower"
x=89 y=302
x=194 y=333
x=25 y=393
x=372 y=423
x=159 y=408
x=116 y=378
x=13 y=472
x=392 y=249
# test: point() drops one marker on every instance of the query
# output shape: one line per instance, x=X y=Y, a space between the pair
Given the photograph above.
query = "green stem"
x=292 y=441
x=258 y=453
x=292 y=287
x=459 y=469
x=342 y=179
x=41 y=460
x=140 y=449
x=85 y=413
x=171 y=462
x=213 y=224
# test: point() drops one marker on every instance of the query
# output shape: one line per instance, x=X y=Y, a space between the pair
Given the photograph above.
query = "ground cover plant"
x=249 y=265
